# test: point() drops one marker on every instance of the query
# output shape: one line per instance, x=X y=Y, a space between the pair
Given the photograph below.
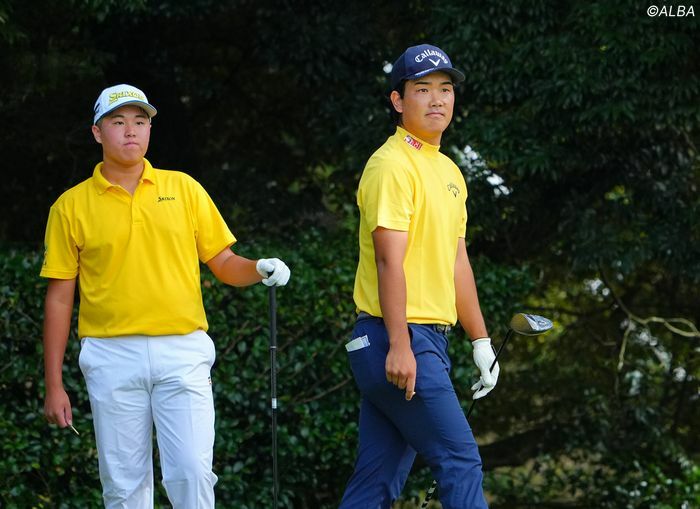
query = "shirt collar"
x=102 y=184
x=415 y=142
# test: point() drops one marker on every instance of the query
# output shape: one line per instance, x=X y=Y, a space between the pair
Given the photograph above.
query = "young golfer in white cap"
x=132 y=237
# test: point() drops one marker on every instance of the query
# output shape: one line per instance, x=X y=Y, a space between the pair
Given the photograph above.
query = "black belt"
x=437 y=327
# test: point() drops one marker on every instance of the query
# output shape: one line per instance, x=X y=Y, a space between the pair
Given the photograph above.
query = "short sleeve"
x=462 y=227
x=61 y=254
x=386 y=197
x=213 y=235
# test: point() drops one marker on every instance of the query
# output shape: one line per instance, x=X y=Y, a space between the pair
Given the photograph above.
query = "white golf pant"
x=134 y=382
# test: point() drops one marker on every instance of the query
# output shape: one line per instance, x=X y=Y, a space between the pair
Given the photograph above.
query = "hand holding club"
x=273 y=270
x=485 y=360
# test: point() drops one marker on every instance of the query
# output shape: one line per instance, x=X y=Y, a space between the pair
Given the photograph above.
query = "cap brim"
x=457 y=76
x=150 y=110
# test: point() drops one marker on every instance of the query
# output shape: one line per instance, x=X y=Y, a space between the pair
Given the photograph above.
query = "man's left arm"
x=236 y=270
x=229 y=268
x=468 y=309
x=472 y=321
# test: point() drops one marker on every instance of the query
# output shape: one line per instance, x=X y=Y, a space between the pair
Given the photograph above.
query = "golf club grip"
x=500 y=348
x=273 y=316
x=493 y=365
x=431 y=490
x=273 y=391
x=273 y=348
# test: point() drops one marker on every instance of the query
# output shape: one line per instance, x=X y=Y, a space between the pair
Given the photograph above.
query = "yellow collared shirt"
x=136 y=257
x=408 y=185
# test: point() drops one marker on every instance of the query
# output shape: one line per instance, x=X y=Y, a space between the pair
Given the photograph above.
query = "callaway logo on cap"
x=420 y=60
x=120 y=95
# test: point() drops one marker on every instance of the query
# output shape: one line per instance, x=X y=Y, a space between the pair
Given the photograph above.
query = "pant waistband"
x=437 y=327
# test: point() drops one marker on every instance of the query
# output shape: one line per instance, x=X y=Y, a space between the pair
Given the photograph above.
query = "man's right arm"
x=390 y=250
x=58 y=310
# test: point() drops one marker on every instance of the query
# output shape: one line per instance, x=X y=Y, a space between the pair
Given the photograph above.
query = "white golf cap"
x=120 y=95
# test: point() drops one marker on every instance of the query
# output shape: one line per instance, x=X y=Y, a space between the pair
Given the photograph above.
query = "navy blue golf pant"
x=393 y=430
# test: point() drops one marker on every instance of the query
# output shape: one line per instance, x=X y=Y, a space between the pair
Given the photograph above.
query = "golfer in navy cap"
x=413 y=283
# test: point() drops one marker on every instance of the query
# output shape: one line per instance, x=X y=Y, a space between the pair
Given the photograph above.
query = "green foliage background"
x=46 y=467
x=577 y=130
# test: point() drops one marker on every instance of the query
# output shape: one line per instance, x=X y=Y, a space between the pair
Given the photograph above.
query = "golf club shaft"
x=433 y=486
x=273 y=389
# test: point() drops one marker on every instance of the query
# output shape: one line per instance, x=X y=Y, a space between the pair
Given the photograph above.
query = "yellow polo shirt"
x=409 y=185
x=136 y=257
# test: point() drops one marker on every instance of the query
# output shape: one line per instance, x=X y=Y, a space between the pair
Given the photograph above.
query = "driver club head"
x=530 y=325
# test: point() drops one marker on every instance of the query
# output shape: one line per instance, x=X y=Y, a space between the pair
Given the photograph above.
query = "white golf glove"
x=274 y=271
x=483 y=358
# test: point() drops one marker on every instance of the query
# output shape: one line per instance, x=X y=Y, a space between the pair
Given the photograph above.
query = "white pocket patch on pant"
x=357 y=343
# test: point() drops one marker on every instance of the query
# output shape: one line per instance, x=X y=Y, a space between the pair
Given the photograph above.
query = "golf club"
x=273 y=389
x=523 y=324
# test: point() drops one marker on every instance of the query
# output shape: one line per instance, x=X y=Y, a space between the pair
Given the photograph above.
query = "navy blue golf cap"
x=420 y=60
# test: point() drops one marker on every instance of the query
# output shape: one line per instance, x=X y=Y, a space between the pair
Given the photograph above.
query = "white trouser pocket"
x=357 y=343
